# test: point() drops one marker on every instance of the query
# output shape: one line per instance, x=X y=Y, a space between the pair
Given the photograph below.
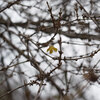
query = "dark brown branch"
x=9 y=5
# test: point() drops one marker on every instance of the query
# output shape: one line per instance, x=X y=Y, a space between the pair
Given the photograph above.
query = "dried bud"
x=90 y=76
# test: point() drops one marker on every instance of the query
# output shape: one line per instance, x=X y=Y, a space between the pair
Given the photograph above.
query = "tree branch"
x=9 y=5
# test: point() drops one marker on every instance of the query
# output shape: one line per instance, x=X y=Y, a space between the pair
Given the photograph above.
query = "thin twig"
x=9 y=5
x=88 y=14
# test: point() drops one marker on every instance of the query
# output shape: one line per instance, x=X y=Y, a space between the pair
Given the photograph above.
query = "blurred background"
x=49 y=49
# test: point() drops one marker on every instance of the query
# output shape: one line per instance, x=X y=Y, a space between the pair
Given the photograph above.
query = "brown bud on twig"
x=91 y=76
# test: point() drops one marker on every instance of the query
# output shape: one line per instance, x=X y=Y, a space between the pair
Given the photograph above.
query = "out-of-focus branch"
x=9 y=5
x=73 y=34
x=50 y=30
